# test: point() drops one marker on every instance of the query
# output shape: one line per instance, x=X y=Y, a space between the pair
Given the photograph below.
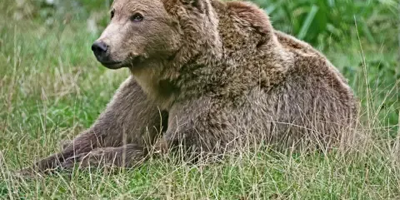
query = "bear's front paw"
x=84 y=160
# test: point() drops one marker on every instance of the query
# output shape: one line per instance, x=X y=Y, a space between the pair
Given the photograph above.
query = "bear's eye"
x=137 y=17
x=112 y=14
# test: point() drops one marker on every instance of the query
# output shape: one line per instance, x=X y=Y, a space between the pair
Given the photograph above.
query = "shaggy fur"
x=211 y=77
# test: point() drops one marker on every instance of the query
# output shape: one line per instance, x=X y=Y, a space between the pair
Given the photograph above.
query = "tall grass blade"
x=307 y=23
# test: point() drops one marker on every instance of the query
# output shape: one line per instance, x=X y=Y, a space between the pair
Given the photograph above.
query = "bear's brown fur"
x=213 y=76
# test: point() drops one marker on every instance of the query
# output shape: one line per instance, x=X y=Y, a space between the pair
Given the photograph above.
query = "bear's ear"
x=199 y=4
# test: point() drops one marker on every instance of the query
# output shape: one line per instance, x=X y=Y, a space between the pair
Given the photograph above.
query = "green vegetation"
x=51 y=88
x=318 y=20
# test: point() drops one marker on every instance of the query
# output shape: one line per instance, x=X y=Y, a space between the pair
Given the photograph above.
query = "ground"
x=51 y=88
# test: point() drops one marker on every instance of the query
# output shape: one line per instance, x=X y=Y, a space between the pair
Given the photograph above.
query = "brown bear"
x=210 y=77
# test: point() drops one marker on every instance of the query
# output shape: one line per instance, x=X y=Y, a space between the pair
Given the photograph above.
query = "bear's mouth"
x=132 y=62
x=112 y=65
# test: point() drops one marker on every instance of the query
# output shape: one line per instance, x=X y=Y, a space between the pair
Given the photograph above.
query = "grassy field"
x=51 y=88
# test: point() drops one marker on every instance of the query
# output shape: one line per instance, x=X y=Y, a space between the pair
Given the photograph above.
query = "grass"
x=51 y=88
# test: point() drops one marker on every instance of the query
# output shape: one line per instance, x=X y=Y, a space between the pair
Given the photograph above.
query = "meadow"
x=52 y=88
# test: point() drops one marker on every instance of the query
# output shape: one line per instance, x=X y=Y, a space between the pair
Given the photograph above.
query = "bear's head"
x=155 y=31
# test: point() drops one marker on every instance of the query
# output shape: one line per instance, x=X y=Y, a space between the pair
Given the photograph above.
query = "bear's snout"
x=100 y=51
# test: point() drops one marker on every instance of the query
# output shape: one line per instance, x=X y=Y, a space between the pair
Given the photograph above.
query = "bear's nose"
x=99 y=48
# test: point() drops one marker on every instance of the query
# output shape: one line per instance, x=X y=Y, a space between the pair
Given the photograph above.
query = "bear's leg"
x=125 y=156
x=199 y=129
x=130 y=118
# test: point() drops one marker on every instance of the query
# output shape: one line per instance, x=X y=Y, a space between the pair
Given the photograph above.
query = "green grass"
x=51 y=88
